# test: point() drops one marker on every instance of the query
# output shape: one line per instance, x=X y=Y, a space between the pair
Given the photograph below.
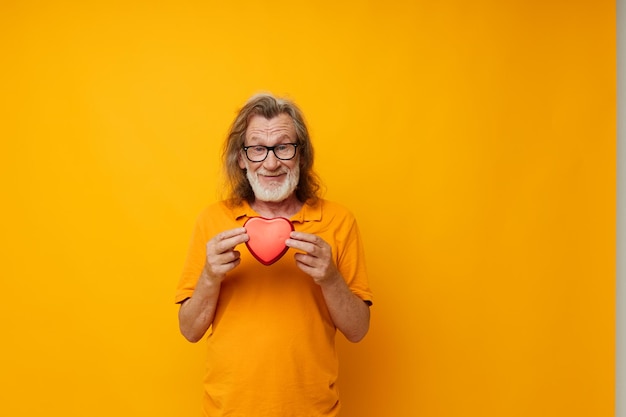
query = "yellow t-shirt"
x=271 y=348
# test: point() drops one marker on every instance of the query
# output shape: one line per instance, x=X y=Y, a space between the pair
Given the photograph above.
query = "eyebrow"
x=281 y=138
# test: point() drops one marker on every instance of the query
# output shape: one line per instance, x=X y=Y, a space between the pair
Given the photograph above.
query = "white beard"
x=275 y=192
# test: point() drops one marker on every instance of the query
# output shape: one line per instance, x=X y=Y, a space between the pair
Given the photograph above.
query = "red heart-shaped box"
x=267 y=238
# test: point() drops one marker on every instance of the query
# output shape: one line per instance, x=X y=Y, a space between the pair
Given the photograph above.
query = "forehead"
x=275 y=128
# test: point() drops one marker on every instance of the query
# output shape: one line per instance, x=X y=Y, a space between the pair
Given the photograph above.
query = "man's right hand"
x=221 y=256
x=197 y=312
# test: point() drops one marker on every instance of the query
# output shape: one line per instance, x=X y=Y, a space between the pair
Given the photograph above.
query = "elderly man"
x=271 y=328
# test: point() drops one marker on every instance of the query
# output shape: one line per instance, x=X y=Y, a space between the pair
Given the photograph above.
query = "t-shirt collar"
x=308 y=212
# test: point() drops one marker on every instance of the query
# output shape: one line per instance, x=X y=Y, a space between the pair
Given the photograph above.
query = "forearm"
x=350 y=314
x=196 y=313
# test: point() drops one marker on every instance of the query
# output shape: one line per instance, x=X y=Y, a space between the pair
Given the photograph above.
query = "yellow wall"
x=475 y=142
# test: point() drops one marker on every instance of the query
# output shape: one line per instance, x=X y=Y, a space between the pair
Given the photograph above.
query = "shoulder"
x=334 y=208
x=212 y=209
x=220 y=215
x=335 y=213
x=224 y=207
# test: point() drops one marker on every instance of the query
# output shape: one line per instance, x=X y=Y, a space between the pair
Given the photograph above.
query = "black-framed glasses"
x=258 y=153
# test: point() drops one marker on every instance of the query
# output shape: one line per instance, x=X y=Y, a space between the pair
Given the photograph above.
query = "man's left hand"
x=317 y=259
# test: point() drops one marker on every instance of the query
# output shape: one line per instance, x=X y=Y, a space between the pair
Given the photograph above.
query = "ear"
x=240 y=160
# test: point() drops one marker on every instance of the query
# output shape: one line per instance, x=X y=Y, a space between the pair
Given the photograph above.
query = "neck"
x=271 y=209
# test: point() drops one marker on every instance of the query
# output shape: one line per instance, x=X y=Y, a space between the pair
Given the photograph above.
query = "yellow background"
x=475 y=142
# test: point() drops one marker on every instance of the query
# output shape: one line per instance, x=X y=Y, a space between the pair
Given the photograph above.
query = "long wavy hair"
x=268 y=106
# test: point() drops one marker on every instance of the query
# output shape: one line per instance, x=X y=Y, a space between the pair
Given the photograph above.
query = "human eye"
x=285 y=150
x=257 y=150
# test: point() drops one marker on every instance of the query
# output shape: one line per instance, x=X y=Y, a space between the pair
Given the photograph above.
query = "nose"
x=271 y=162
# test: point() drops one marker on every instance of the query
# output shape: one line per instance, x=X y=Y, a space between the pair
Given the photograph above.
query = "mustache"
x=272 y=173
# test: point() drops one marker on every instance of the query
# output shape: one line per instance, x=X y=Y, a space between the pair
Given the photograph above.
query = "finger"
x=313 y=271
x=230 y=233
x=217 y=259
x=225 y=268
x=223 y=263
x=229 y=244
x=226 y=241
x=300 y=245
x=306 y=260
x=227 y=257
x=306 y=237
